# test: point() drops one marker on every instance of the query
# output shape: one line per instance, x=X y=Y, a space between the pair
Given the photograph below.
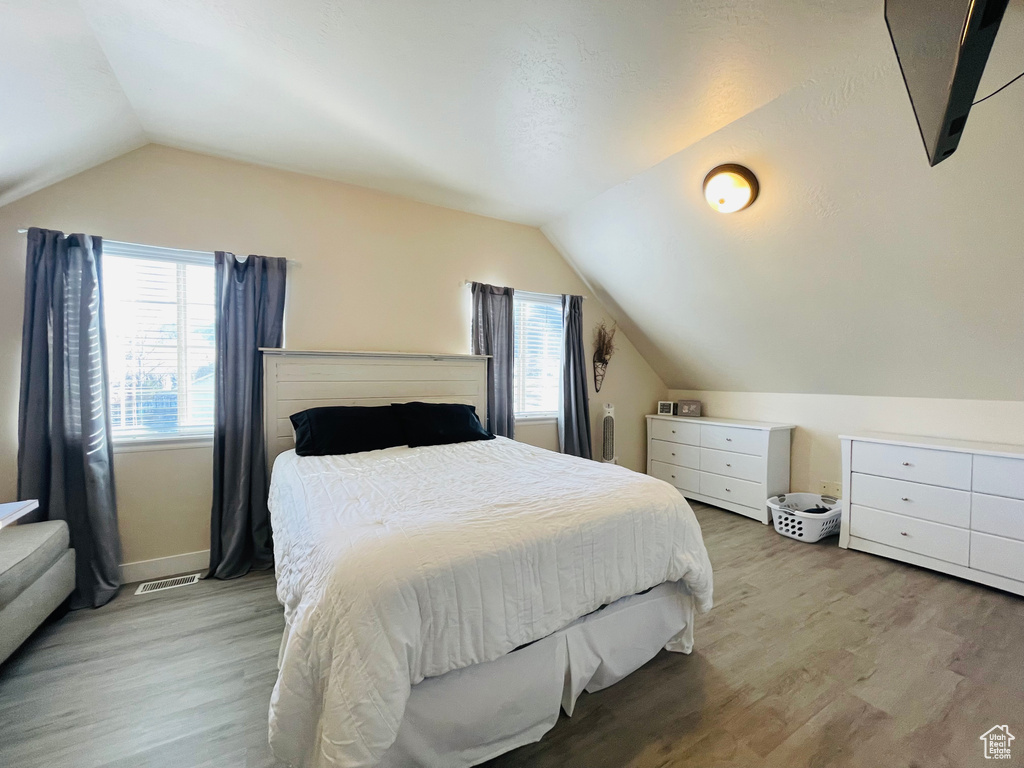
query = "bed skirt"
x=471 y=715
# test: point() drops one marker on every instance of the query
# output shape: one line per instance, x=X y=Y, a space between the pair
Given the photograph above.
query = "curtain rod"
x=291 y=262
x=470 y=282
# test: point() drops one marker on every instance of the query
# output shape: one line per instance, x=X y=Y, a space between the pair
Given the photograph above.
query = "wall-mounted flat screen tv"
x=943 y=46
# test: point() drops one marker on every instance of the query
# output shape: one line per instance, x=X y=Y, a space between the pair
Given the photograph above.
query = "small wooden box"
x=688 y=408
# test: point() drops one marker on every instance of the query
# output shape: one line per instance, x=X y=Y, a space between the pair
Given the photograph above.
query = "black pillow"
x=339 y=429
x=439 y=423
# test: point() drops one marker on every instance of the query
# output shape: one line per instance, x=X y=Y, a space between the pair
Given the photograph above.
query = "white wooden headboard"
x=296 y=380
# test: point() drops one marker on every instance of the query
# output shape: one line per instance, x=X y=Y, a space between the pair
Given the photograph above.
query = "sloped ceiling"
x=62 y=109
x=859 y=269
x=519 y=109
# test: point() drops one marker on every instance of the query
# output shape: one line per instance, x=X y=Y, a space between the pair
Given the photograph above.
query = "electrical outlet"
x=827 y=488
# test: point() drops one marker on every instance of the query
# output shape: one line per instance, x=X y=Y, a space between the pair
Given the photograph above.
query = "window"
x=159 y=311
x=538 y=354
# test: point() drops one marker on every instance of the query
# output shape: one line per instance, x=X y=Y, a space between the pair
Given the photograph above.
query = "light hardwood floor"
x=812 y=656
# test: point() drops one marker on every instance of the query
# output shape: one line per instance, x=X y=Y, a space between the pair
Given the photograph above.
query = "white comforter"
x=407 y=563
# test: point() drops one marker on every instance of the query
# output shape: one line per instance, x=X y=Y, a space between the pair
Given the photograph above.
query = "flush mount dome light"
x=729 y=188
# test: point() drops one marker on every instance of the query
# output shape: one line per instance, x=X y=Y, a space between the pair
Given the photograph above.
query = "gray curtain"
x=494 y=335
x=574 y=417
x=250 y=315
x=65 y=458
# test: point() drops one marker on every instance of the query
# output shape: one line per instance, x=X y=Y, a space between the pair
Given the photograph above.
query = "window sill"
x=544 y=419
x=163 y=444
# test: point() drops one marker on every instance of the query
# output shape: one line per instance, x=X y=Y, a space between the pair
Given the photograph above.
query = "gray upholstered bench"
x=37 y=573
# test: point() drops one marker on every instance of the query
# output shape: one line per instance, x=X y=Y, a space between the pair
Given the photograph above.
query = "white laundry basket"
x=791 y=520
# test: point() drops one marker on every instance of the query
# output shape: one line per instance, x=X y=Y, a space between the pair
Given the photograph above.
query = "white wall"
x=375 y=272
x=820 y=419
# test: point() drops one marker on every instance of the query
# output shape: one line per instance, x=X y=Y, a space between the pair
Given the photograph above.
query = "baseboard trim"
x=158 y=568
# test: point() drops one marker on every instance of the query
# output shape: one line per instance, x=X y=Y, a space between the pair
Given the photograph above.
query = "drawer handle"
x=673 y=453
x=673 y=431
x=728 y=439
x=728 y=465
x=728 y=490
x=673 y=477
x=907 y=464
x=904 y=533
x=904 y=499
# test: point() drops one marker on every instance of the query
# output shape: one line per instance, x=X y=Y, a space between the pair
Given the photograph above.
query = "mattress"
x=404 y=564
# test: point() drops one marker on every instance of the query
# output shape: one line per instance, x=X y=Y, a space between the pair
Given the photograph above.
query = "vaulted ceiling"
x=859 y=270
x=598 y=121
x=519 y=109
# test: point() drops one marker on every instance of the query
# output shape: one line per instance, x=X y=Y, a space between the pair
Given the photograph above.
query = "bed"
x=443 y=603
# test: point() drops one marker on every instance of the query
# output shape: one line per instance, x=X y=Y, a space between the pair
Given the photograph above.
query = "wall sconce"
x=730 y=188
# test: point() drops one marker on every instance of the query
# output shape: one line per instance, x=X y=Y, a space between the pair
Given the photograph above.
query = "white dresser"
x=733 y=464
x=949 y=505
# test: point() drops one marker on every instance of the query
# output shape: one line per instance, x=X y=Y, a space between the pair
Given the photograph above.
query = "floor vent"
x=157 y=586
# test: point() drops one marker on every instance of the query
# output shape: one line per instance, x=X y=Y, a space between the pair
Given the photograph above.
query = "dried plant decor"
x=604 y=348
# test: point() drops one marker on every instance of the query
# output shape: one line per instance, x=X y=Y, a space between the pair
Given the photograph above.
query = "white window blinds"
x=159 y=310
x=538 y=354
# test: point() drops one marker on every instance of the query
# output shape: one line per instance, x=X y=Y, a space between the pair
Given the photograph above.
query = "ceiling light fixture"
x=730 y=188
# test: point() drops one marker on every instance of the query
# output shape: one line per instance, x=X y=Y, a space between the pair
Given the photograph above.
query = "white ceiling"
x=859 y=270
x=519 y=109
x=62 y=109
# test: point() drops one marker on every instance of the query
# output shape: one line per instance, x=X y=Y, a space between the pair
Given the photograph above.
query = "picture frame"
x=666 y=408
x=690 y=408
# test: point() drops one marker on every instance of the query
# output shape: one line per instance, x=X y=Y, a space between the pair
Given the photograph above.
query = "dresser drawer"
x=675 y=431
x=997 y=515
x=675 y=453
x=1003 y=557
x=740 y=465
x=752 y=441
x=943 y=542
x=730 y=489
x=927 y=502
x=919 y=465
x=999 y=476
x=681 y=477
